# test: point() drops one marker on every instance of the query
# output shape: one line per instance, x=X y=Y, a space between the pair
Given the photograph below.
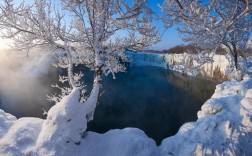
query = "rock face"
x=218 y=67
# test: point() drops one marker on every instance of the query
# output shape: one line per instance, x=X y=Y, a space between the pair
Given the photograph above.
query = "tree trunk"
x=70 y=70
x=70 y=116
x=94 y=96
x=236 y=61
x=235 y=55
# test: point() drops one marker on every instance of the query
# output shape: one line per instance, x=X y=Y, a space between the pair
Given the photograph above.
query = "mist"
x=25 y=82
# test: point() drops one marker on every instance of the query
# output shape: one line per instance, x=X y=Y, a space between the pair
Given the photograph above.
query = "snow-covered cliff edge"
x=217 y=67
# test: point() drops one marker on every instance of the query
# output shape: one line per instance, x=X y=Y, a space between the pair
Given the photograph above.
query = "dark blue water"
x=153 y=99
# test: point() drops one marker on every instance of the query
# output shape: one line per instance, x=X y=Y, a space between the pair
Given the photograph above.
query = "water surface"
x=153 y=99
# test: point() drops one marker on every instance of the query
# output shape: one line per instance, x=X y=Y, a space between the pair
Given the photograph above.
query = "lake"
x=153 y=99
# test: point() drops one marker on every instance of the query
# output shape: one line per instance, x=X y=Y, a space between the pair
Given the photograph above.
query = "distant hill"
x=192 y=49
x=179 y=49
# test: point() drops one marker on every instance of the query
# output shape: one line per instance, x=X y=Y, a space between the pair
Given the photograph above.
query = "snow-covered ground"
x=224 y=127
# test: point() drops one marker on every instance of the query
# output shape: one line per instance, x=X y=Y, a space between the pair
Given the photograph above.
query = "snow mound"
x=65 y=124
x=125 y=142
x=20 y=136
x=6 y=121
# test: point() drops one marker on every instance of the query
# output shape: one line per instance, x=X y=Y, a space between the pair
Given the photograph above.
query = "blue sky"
x=169 y=39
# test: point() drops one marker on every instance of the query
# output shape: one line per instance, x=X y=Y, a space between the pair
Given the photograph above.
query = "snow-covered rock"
x=224 y=127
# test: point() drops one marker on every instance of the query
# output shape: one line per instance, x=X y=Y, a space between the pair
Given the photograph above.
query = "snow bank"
x=224 y=127
x=62 y=134
x=125 y=142
x=6 y=121
x=21 y=136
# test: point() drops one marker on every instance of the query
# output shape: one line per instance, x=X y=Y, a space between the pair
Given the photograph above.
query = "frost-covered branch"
x=191 y=64
x=212 y=23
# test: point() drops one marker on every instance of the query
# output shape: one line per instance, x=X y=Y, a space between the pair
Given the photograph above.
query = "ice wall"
x=147 y=59
x=218 y=68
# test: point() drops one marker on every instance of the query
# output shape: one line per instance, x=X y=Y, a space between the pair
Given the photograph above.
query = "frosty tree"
x=212 y=23
x=91 y=32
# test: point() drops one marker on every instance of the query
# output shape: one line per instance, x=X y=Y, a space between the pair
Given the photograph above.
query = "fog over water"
x=153 y=99
x=23 y=83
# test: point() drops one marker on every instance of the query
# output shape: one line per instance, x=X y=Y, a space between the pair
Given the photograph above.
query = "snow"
x=223 y=127
x=6 y=121
x=249 y=44
x=64 y=122
x=219 y=68
x=125 y=142
x=20 y=136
